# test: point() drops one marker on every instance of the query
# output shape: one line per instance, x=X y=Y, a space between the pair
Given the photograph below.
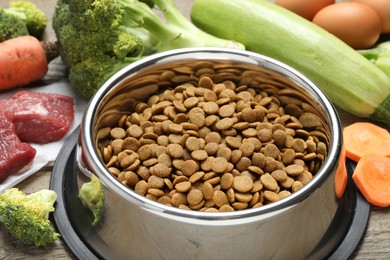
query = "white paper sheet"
x=46 y=153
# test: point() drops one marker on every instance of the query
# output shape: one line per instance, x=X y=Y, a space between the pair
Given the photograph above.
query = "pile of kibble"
x=215 y=147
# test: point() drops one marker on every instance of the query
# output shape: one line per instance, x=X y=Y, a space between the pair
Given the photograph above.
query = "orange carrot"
x=372 y=177
x=341 y=176
x=363 y=138
x=23 y=60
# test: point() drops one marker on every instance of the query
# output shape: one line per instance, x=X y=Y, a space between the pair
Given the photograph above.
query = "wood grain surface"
x=374 y=245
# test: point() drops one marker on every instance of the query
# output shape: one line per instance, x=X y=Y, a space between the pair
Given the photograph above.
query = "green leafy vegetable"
x=26 y=217
x=91 y=195
x=30 y=14
x=99 y=37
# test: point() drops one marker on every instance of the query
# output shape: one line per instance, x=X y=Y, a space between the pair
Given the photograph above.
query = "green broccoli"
x=26 y=217
x=91 y=195
x=120 y=32
x=11 y=26
x=30 y=14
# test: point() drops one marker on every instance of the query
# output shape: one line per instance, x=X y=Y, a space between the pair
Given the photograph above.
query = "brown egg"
x=356 y=24
x=382 y=8
x=306 y=9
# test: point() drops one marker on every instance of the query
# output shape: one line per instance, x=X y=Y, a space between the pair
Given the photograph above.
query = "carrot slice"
x=363 y=138
x=372 y=177
x=341 y=175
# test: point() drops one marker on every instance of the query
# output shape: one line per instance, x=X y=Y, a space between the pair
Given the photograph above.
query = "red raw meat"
x=30 y=117
x=41 y=117
x=14 y=154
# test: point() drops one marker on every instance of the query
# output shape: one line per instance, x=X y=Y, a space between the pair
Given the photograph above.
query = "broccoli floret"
x=26 y=217
x=11 y=26
x=91 y=195
x=123 y=30
x=30 y=14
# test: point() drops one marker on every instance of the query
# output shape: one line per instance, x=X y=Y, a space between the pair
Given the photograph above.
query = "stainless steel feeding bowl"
x=135 y=226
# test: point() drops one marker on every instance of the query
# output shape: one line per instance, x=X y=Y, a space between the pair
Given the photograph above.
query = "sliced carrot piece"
x=363 y=138
x=341 y=175
x=372 y=177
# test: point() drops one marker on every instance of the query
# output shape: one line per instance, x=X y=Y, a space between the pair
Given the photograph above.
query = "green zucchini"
x=351 y=82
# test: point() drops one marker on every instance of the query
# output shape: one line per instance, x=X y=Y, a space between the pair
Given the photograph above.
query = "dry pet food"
x=213 y=137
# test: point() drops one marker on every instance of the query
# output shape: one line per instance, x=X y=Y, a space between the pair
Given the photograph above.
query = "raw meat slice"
x=30 y=117
x=14 y=155
x=41 y=117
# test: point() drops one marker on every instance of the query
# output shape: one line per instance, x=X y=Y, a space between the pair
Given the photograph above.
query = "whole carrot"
x=23 y=60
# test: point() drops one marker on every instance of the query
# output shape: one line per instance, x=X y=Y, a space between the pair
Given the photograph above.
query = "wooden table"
x=374 y=245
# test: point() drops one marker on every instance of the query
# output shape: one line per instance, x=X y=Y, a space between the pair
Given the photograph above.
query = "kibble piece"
x=183 y=186
x=248 y=115
x=209 y=95
x=130 y=143
x=288 y=156
x=233 y=142
x=264 y=135
x=296 y=186
x=206 y=82
x=224 y=152
x=208 y=191
x=226 y=110
x=240 y=205
x=155 y=182
x=165 y=200
x=236 y=156
x=269 y=182
x=135 y=131
x=247 y=149
x=210 y=108
x=160 y=170
x=197 y=119
x=196 y=177
x=131 y=178
x=213 y=137
x=179 y=199
x=271 y=150
x=194 y=197
x=243 y=164
x=199 y=155
x=156 y=192
x=189 y=167
x=279 y=175
x=141 y=188
x=294 y=169
x=219 y=164
x=271 y=196
x=118 y=133
x=144 y=152
x=211 y=148
x=175 y=128
x=193 y=143
x=219 y=198
x=190 y=102
x=224 y=123
x=175 y=150
x=299 y=145
x=256 y=170
x=226 y=208
x=227 y=180
x=284 y=194
x=287 y=183
x=242 y=183
x=310 y=120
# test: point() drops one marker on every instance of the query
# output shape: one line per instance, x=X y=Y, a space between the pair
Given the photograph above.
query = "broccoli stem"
x=178 y=32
